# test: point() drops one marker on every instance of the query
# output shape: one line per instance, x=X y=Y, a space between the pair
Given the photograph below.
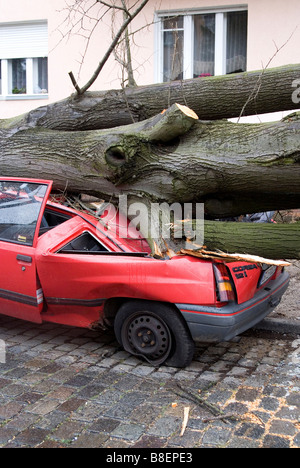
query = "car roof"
x=26 y=179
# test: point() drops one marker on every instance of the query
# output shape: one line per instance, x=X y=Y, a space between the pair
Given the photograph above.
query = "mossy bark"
x=212 y=98
x=232 y=168
x=276 y=241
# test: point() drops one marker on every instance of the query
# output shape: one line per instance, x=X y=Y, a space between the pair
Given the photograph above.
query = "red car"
x=61 y=265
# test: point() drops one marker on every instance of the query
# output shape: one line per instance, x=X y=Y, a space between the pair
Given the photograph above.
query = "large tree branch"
x=274 y=241
x=174 y=157
x=211 y=98
x=232 y=168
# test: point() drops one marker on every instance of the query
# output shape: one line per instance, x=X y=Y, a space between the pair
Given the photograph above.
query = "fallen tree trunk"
x=276 y=241
x=173 y=157
x=212 y=98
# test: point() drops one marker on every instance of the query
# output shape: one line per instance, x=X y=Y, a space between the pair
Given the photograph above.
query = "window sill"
x=23 y=97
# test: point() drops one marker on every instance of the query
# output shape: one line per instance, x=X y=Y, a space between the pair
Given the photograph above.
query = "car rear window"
x=85 y=243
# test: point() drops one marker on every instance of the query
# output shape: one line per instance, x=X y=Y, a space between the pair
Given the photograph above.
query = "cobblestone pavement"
x=66 y=387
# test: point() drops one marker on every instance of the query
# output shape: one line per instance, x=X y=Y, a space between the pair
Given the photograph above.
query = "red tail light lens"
x=225 y=288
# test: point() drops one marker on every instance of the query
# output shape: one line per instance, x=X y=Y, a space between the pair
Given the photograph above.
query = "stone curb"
x=279 y=326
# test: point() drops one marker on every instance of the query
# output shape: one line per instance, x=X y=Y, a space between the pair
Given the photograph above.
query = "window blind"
x=23 y=40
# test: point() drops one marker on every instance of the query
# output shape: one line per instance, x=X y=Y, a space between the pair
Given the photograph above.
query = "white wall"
x=270 y=22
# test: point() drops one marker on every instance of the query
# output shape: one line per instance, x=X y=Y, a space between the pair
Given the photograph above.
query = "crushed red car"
x=61 y=265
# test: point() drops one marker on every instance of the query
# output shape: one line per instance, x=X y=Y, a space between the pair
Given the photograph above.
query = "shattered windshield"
x=20 y=205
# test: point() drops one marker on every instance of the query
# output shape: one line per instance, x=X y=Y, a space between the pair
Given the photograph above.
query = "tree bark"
x=212 y=98
x=173 y=157
x=274 y=241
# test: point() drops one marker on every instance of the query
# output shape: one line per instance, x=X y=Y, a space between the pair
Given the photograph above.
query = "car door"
x=22 y=204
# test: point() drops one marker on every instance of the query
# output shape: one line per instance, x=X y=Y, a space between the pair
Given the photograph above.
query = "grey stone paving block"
x=88 y=412
x=281 y=427
x=296 y=440
x=9 y=410
x=130 y=432
x=239 y=442
x=69 y=430
x=293 y=399
x=216 y=437
x=270 y=403
x=7 y=434
x=189 y=439
x=71 y=405
x=165 y=426
x=104 y=425
x=22 y=421
x=150 y=442
x=271 y=441
x=247 y=394
x=43 y=407
x=88 y=440
x=31 y=437
x=118 y=411
x=50 y=421
x=145 y=414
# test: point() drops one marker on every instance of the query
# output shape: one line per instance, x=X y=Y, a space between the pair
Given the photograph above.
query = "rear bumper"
x=213 y=324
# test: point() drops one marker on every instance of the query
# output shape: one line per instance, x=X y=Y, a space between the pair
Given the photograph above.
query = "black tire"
x=155 y=332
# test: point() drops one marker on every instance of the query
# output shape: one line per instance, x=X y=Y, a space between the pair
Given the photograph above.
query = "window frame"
x=41 y=208
x=188 y=31
x=33 y=47
x=6 y=78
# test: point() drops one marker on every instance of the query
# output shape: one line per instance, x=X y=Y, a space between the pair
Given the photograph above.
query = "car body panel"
x=20 y=290
x=48 y=281
x=85 y=282
x=213 y=324
x=245 y=276
x=19 y=285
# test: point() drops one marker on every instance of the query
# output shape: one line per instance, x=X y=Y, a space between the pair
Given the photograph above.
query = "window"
x=201 y=44
x=20 y=205
x=18 y=76
x=23 y=60
x=86 y=243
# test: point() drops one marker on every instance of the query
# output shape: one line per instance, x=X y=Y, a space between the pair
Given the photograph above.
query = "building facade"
x=42 y=41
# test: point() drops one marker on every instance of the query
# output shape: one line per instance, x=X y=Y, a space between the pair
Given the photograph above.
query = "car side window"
x=20 y=205
x=85 y=243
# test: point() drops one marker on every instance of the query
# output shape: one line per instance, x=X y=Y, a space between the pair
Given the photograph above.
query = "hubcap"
x=147 y=335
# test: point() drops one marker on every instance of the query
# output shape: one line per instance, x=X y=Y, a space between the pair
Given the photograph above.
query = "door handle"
x=24 y=258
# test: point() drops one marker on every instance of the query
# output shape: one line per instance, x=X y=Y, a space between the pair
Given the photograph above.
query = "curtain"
x=236 y=50
x=18 y=76
x=204 y=45
x=173 y=48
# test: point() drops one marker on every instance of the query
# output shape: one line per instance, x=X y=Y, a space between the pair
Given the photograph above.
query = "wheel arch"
x=113 y=305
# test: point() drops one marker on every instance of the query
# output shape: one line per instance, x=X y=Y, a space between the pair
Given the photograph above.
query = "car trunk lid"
x=246 y=278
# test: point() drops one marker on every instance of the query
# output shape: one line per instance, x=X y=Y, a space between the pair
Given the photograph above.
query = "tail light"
x=225 y=288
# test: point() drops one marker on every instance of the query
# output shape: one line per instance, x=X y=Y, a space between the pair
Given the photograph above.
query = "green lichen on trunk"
x=276 y=241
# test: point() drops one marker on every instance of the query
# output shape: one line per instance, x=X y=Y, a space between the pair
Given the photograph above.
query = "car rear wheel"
x=155 y=332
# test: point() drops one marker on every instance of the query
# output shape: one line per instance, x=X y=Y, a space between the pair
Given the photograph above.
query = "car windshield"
x=20 y=205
